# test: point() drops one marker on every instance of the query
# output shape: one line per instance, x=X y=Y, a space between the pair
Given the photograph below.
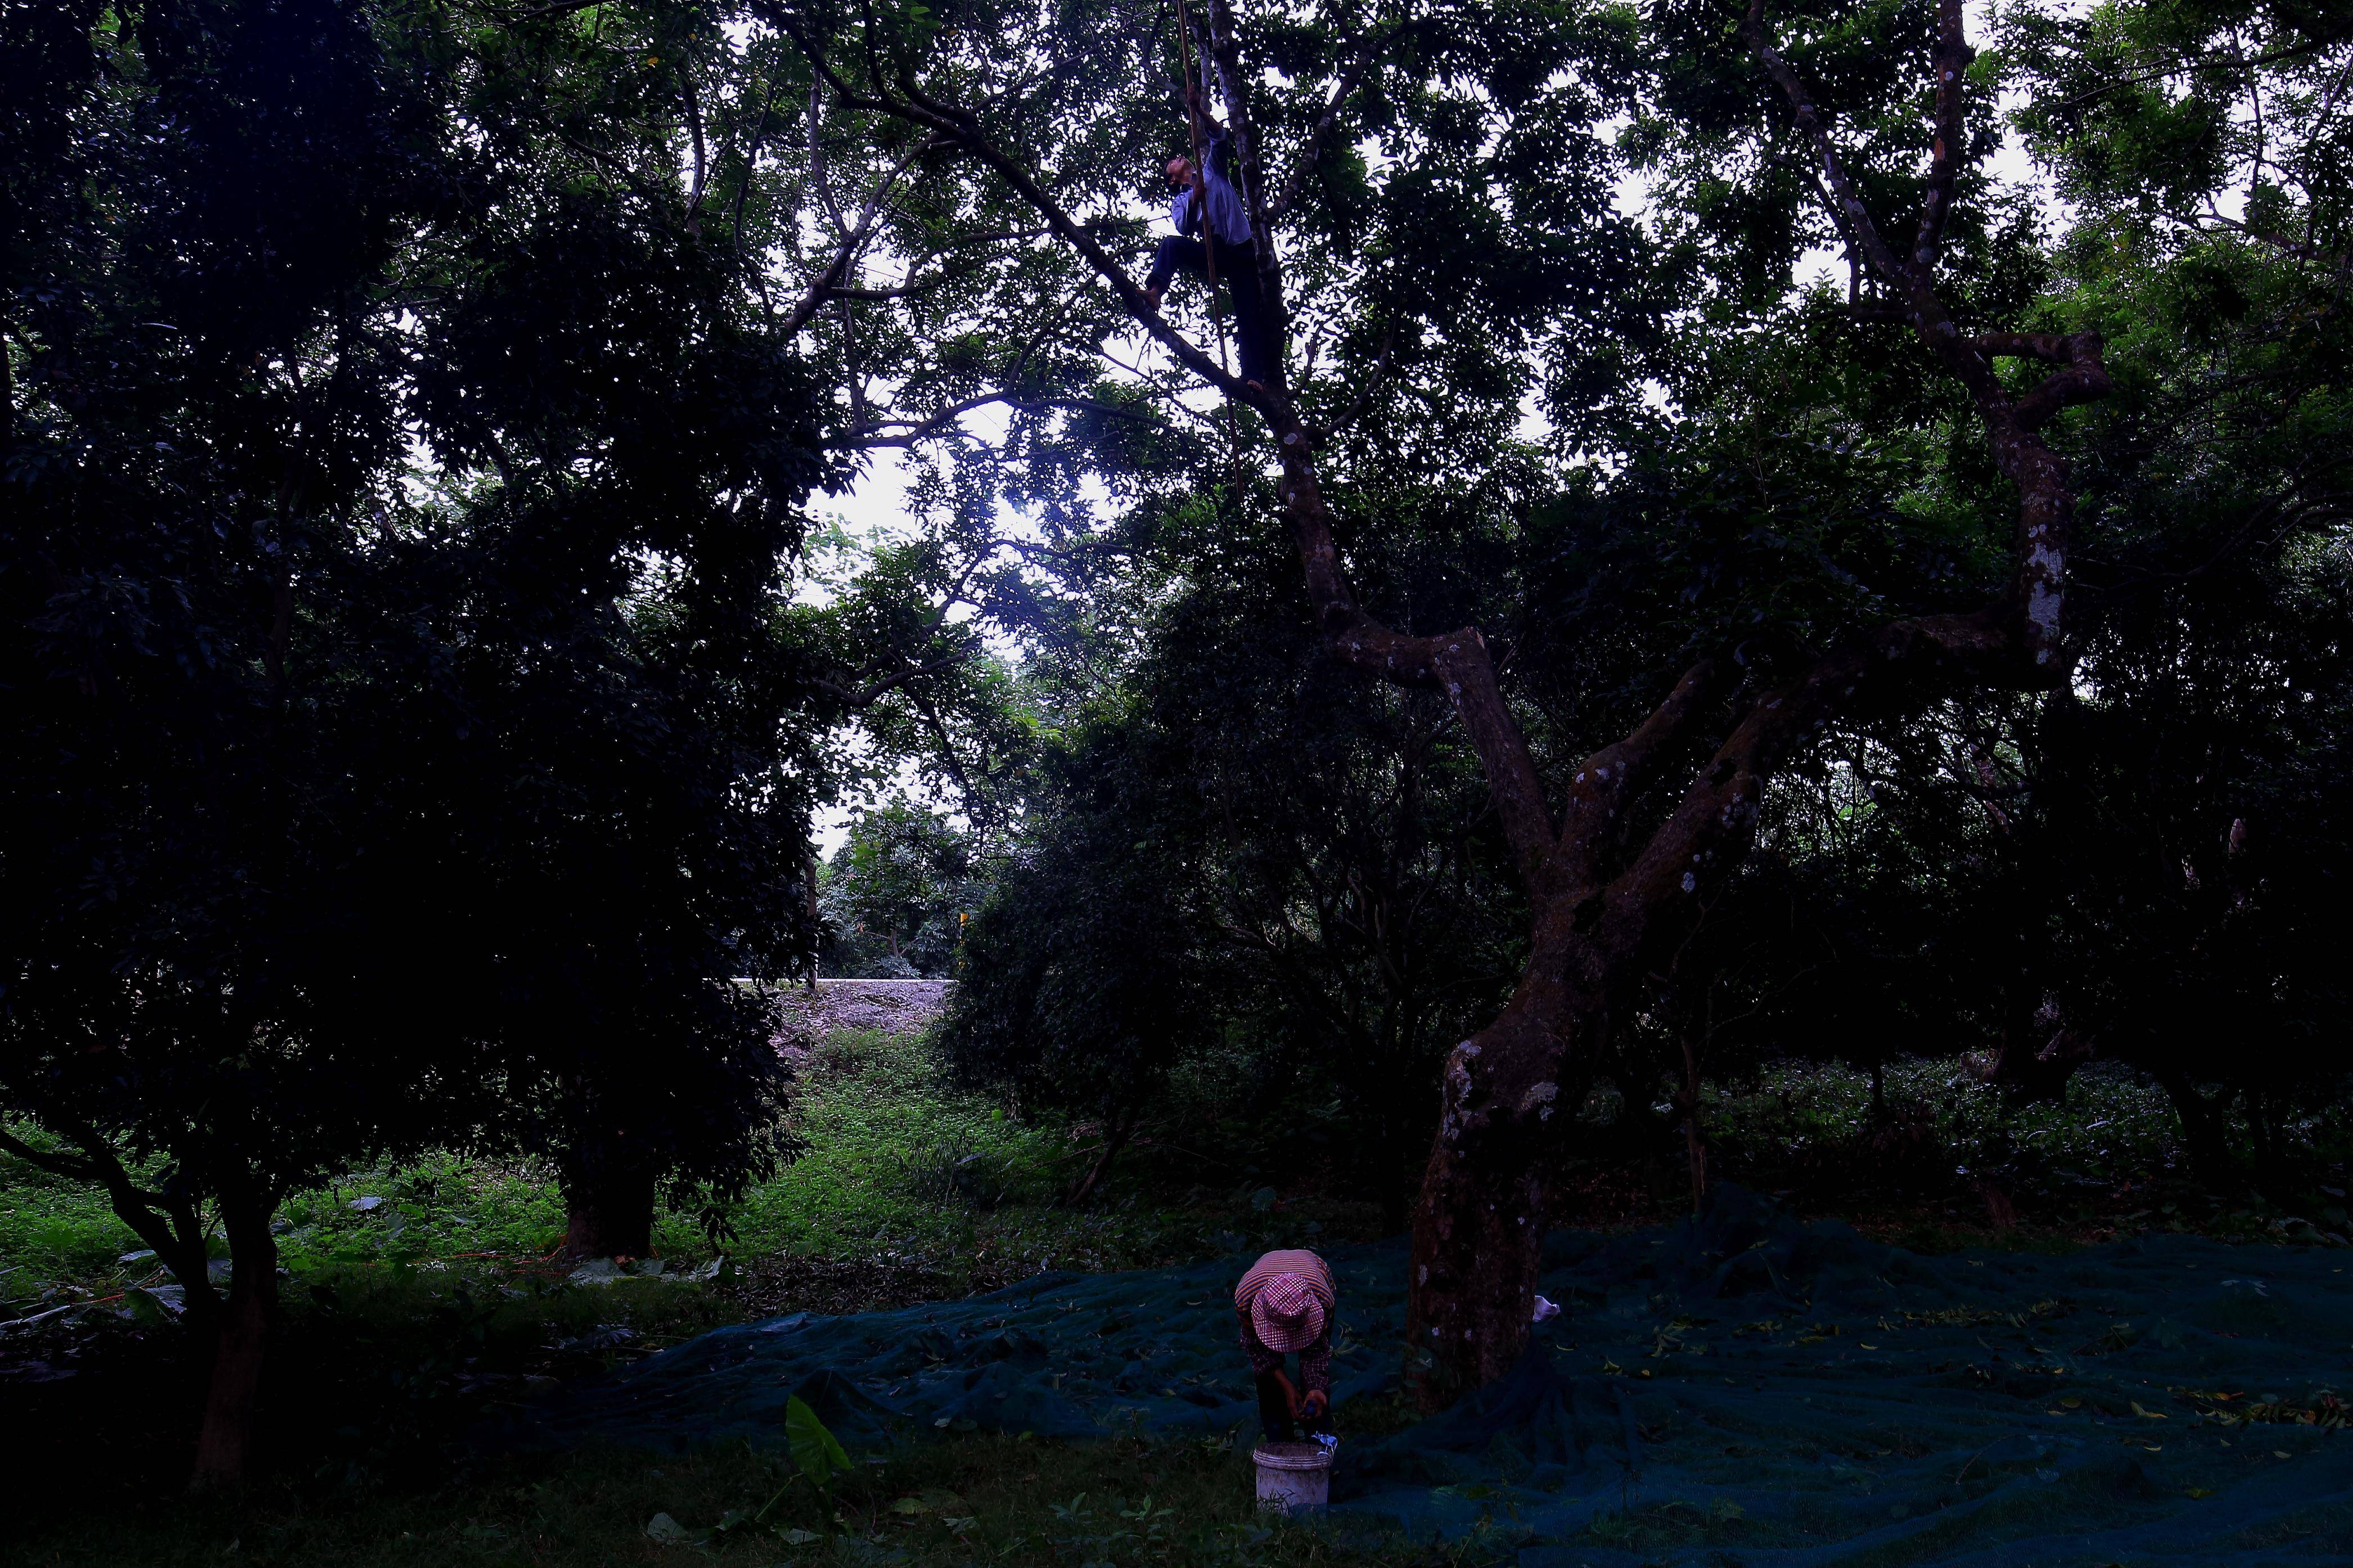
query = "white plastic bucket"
x=1293 y=1478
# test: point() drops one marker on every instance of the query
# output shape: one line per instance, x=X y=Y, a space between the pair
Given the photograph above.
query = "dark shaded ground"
x=768 y=1286
x=1741 y=1381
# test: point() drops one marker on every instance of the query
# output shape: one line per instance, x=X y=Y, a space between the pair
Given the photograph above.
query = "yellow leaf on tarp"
x=2146 y=1414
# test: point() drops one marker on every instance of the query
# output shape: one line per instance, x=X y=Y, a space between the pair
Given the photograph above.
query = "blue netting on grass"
x=1742 y=1388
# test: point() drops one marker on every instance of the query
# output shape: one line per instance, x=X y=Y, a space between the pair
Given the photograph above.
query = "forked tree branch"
x=2046 y=504
x=874 y=691
x=1853 y=218
x=1612 y=776
x=826 y=287
x=1879 y=668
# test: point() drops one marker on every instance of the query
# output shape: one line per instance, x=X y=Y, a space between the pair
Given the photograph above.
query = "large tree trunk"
x=224 y=1442
x=1487 y=1192
x=1478 y=1237
x=608 y=1204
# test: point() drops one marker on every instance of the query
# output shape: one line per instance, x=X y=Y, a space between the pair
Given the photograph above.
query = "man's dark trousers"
x=1237 y=270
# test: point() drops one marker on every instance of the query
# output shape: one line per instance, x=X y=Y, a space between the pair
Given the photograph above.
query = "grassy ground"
x=410 y=1319
x=903 y=1180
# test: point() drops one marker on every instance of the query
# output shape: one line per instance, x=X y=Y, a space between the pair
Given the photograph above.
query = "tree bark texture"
x=1603 y=917
x=224 y=1442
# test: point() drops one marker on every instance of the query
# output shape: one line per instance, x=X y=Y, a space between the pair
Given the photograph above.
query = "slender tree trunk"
x=1695 y=1138
x=2203 y=1133
x=1487 y=1189
x=808 y=868
x=1478 y=1238
x=224 y=1442
x=1117 y=1133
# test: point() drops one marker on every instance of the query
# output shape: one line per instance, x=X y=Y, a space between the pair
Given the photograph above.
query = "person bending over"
x=1285 y=1303
x=1211 y=221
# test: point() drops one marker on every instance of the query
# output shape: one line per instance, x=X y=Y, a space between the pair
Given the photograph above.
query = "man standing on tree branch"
x=1206 y=205
x=1284 y=1303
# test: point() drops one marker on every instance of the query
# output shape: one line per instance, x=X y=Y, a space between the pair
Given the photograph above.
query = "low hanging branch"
x=168 y=1223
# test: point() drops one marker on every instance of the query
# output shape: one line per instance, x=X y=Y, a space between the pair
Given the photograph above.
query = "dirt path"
x=894 y=1006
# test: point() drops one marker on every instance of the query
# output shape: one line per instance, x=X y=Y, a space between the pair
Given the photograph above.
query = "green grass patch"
x=897 y=1169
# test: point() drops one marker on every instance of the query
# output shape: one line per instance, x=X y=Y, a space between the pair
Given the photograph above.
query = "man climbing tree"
x=1213 y=241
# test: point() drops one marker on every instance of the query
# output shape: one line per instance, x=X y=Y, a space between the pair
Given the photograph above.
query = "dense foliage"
x=897 y=894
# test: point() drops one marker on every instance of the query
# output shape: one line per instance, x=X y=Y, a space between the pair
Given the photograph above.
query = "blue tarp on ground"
x=1741 y=1388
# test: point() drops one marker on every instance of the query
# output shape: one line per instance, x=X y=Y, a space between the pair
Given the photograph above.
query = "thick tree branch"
x=1612 y=776
x=149 y=1215
x=1878 y=668
x=2046 y=504
x=2082 y=379
x=931 y=425
x=1952 y=58
x=1225 y=47
x=72 y=1167
x=863 y=697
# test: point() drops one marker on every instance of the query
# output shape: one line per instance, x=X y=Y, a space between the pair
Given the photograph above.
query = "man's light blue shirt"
x=1229 y=218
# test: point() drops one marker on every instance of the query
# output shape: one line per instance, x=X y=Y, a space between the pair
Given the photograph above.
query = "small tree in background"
x=895 y=896
x=1081 y=984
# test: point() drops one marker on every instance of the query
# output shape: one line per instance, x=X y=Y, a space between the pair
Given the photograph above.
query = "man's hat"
x=1286 y=1315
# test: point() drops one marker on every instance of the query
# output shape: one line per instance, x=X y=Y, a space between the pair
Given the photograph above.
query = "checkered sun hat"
x=1286 y=1315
